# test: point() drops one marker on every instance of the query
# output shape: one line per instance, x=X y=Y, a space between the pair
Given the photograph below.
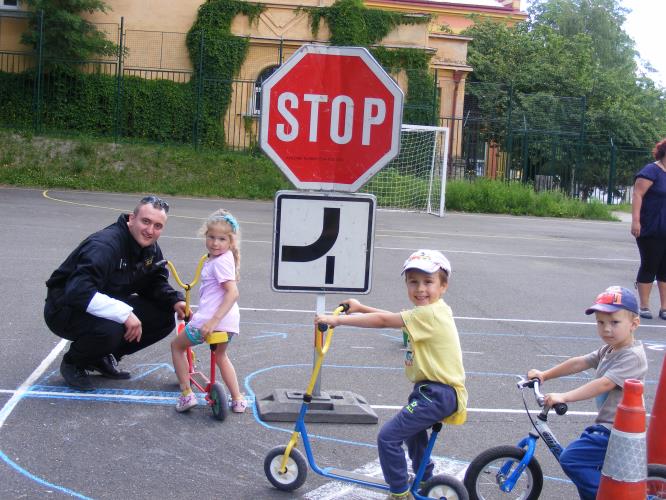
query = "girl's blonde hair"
x=224 y=218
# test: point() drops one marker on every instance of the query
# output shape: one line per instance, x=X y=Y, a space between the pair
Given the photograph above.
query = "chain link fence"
x=153 y=91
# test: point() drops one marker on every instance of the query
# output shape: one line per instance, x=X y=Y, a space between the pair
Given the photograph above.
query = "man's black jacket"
x=111 y=262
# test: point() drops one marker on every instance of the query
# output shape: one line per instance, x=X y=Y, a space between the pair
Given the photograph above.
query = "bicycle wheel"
x=443 y=486
x=656 y=482
x=219 y=403
x=484 y=477
x=293 y=477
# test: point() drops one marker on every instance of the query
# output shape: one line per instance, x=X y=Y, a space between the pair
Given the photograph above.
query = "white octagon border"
x=378 y=71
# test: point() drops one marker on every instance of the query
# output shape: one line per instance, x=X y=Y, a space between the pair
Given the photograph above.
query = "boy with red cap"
x=433 y=362
x=620 y=358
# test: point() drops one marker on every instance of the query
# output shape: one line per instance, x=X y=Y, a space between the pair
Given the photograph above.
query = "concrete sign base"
x=338 y=407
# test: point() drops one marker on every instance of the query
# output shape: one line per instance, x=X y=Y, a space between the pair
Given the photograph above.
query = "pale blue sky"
x=645 y=24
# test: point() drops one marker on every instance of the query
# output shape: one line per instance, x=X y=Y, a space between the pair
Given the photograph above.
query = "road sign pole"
x=329 y=135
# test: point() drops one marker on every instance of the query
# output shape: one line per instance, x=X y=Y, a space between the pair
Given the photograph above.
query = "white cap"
x=428 y=261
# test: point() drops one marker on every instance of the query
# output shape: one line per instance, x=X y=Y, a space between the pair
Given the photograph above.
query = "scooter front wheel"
x=218 y=400
x=293 y=477
x=443 y=486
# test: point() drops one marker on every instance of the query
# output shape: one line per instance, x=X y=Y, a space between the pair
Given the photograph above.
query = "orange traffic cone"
x=656 y=441
x=625 y=466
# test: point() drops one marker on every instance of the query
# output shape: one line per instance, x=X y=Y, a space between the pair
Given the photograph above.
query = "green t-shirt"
x=434 y=352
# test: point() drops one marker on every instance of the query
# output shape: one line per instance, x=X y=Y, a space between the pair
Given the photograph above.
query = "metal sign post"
x=330 y=120
x=322 y=243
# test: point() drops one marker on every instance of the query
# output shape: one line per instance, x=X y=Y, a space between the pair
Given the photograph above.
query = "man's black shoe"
x=108 y=367
x=75 y=377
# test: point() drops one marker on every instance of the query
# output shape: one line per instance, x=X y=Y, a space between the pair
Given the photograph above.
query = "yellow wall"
x=155 y=42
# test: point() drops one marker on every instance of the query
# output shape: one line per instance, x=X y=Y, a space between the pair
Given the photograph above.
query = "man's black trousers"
x=93 y=337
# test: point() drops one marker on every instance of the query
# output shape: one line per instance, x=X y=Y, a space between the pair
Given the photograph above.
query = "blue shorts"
x=195 y=337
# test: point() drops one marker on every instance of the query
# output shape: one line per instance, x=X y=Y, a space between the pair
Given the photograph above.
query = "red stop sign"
x=330 y=117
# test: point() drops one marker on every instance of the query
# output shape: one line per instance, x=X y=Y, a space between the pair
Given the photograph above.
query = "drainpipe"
x=457 y=76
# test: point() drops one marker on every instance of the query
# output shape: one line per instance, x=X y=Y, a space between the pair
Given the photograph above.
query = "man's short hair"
x=157 y=203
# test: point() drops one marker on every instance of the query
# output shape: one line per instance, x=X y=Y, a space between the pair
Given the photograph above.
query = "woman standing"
x=648 y=225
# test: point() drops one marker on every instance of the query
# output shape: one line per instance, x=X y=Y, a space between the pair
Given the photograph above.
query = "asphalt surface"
x=518 y=291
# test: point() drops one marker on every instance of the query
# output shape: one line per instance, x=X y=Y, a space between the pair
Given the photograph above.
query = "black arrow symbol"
x=316 y=250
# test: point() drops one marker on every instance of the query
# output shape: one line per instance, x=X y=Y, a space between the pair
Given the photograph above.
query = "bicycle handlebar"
x=535 y=385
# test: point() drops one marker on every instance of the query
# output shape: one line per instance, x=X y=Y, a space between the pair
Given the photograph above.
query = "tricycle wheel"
x=443 y=486
x=219 y=402
x=293 y=477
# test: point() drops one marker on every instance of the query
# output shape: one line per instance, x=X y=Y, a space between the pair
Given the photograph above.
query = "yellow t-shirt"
x=434 y=352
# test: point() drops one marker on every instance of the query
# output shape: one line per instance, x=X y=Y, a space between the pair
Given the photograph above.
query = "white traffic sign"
x=323 y=242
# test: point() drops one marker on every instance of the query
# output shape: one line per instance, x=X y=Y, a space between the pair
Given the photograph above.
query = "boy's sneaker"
x=186 y=402
x=238 y=405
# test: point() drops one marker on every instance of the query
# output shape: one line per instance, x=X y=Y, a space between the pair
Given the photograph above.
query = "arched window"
x=263 y=76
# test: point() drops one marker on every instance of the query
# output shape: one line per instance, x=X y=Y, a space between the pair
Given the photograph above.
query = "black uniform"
x=110 y=262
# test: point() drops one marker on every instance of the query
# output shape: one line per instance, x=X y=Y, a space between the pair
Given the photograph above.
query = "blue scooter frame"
x=286 y=468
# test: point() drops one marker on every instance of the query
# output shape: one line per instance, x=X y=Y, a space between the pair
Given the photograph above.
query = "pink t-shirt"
x=216 y=271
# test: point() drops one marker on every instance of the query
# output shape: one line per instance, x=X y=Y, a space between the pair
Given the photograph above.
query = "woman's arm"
x=640 y=188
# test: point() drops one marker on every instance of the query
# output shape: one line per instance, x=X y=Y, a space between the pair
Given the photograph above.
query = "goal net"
x=416 y=179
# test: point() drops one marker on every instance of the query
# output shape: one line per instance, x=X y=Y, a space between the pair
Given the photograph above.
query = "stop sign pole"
x=330 y=120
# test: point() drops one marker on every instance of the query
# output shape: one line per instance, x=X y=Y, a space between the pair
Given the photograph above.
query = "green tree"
x=574 y=48
x=67 y=37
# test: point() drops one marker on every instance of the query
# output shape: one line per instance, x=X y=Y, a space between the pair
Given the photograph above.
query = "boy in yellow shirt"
x=433 y=362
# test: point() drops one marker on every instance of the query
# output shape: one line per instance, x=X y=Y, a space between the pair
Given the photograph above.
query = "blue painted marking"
x=39 y=480
x=249 y=390
x=155 y=367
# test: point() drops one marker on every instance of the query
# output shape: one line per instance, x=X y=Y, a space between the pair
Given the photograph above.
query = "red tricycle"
x=216 y=396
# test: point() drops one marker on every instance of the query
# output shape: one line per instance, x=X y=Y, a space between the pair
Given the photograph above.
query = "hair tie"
x=231 y=221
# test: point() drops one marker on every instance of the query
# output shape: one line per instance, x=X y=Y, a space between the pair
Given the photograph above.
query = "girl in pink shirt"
x=218 y=309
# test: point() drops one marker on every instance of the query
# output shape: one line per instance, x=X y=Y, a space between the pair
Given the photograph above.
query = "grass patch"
x=515 y=198
x=98 y=165
x=131 y=167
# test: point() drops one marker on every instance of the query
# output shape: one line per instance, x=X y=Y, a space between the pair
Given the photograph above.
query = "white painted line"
x=472 y=352
x=518 y=255
x=543 y=321
x=91 y=395
x=488 y=410
x=139 y=397
x=462 y=318
x=551 y=356
x=34 y=376
x=448 y=250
